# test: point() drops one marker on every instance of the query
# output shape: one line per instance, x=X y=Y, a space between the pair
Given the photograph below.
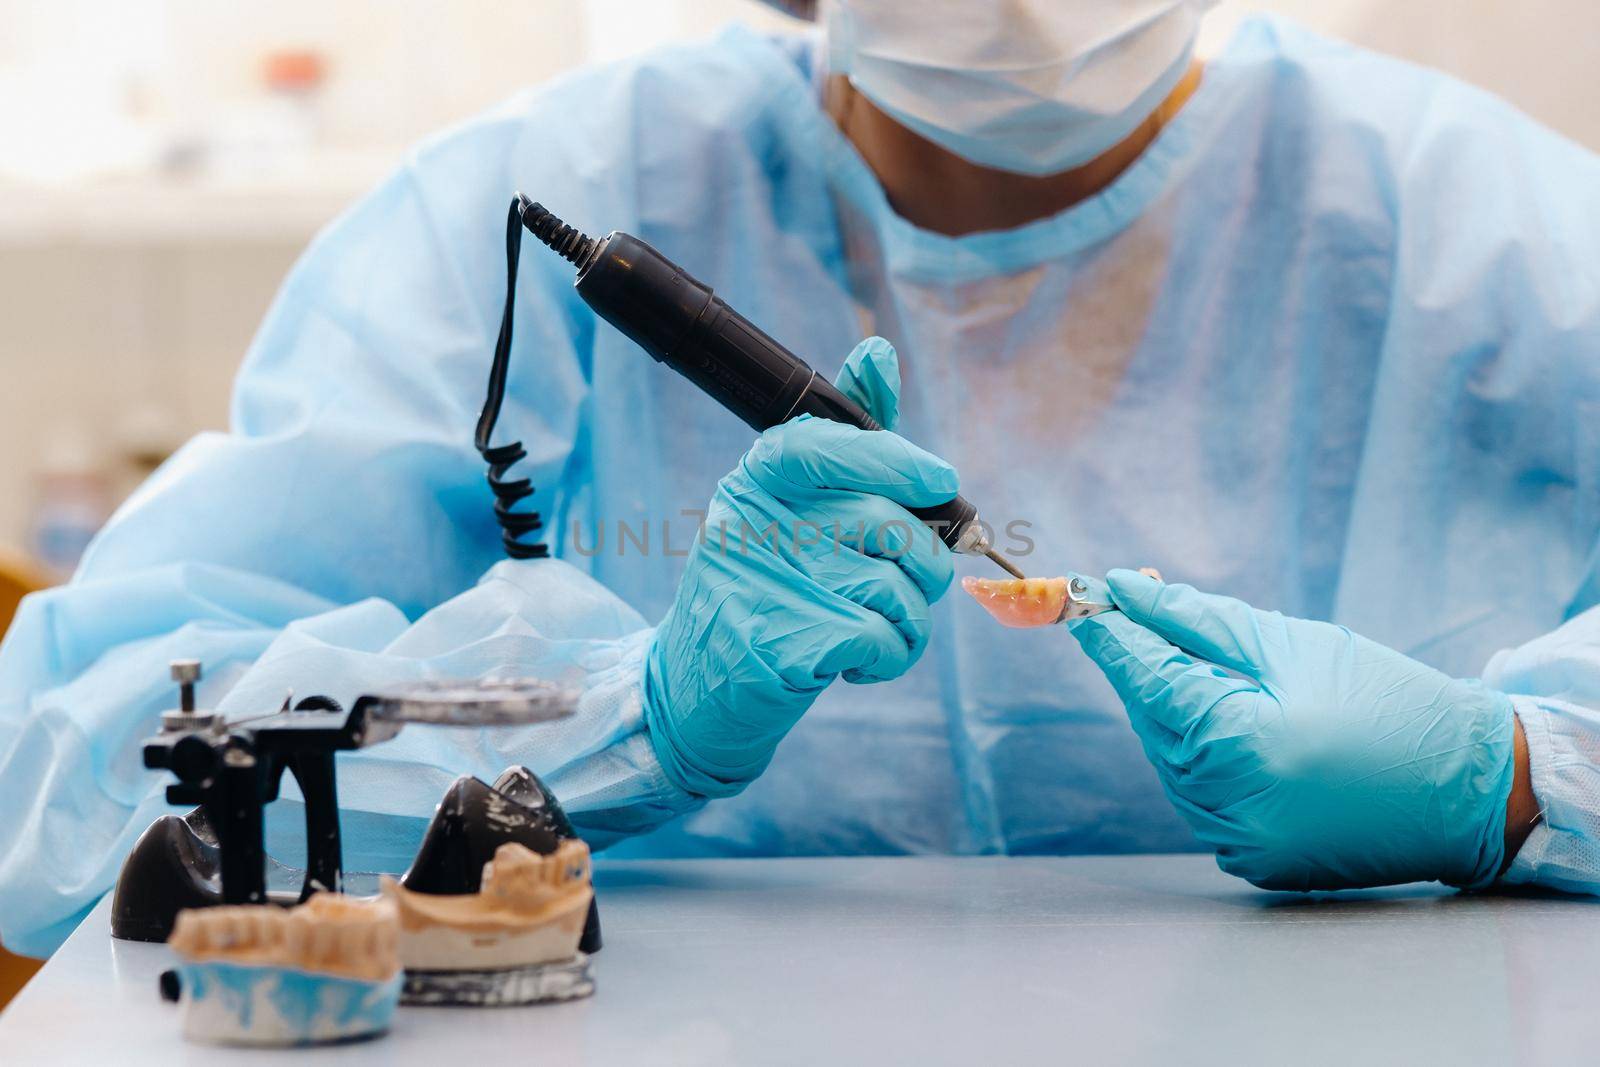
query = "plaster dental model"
x=259 y=974
x=515 y=941
x=1024 y=603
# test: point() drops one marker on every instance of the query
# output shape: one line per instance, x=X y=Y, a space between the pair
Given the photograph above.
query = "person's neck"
x=938 y=190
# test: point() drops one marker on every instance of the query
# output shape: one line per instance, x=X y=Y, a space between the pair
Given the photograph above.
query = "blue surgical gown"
x=1331 y=345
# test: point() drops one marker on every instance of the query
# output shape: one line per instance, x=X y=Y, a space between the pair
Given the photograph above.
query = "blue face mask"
x=1029 y=86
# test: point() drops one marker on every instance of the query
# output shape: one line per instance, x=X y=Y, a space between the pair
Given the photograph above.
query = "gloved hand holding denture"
x=1306 y=756
x=810 y=567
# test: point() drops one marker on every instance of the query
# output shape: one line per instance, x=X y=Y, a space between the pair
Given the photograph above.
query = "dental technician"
x=1307 y=326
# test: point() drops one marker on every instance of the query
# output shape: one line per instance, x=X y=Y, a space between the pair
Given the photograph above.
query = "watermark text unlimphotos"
x=890 y=539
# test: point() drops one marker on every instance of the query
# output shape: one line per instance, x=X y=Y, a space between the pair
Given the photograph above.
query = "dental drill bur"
x=1005 y=564
x=679 y=321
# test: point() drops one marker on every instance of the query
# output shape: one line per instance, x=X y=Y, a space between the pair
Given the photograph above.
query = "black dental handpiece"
x=682 y=323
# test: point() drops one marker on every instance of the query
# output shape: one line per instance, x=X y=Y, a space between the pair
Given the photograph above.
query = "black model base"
x=474 y=819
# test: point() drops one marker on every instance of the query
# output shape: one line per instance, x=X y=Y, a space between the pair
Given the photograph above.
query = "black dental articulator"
x=679 y=321
x=231 y=769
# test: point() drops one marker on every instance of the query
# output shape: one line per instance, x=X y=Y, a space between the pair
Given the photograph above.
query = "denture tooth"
x=322 y=939
x=205 y=928
x=383 y=941
x=255 y=927
x=188 y=933
x=354 y=943
x=389 y=940
x=243 y=924
x=269 y=928
x=337 y=941
x=244 y=930
x=222 y=935
x=263 y=928
x=295 y=931
x=380 y=944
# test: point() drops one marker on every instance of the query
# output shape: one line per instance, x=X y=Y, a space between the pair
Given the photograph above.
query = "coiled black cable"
x=570 y=243
x=508 y=492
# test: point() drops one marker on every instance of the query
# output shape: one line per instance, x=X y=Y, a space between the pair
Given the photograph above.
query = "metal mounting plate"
x=487 y=702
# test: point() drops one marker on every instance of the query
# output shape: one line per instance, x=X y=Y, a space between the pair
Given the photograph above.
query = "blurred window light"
x=153 y=89
x=72 y=78
x=615 y=29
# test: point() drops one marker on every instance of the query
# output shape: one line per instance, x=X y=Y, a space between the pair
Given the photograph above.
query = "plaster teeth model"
x=258 y=974
x=515 y=941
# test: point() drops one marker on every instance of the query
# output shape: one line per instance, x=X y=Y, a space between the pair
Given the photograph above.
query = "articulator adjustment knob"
x=186 y=672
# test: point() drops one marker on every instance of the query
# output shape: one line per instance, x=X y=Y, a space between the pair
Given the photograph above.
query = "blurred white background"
x=163 y=161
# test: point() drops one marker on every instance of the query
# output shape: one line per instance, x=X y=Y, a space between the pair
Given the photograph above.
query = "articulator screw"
x=186 y=672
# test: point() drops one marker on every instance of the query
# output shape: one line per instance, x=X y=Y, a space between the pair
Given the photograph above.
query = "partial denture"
x=1020 y=602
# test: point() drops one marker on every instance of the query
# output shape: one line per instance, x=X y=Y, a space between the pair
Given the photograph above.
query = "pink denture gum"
x=1020 y=602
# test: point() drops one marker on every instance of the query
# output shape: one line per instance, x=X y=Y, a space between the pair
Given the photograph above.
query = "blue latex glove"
x=840 y=586
x=1332 y=762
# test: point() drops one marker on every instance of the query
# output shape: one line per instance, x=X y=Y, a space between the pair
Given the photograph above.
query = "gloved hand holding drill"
x=810 y=568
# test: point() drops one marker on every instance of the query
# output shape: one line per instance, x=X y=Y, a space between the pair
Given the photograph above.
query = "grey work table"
x=1155 y=959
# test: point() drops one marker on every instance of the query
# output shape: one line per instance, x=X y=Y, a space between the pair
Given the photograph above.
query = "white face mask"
x=1030 y=86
